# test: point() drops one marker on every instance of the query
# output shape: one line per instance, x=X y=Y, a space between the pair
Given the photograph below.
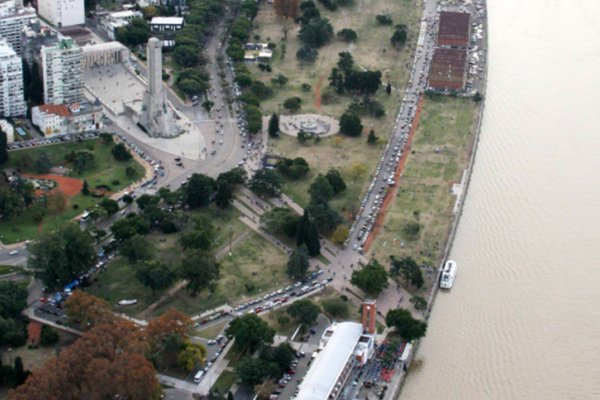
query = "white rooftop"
x=124 y=14
x=167 y=20
x=88 y=48
x=322 y=376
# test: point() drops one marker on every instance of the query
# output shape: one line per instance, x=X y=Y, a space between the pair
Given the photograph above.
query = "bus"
x=198 y=376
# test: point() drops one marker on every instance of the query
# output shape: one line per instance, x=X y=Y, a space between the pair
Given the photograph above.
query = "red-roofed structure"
x=454 y=29
x=34 y=332
x=448 y=69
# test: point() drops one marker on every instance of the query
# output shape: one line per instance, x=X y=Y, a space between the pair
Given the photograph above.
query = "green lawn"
x=224 y=382
x=352 y=156
x=439 y=155
x=118 y=282
x=255 y=267
x=106 y=171
x=8 y=269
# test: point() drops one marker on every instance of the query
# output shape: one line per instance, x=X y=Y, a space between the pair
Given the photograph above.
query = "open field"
x=254 y=267
x=373 y=50
x=118 y=281
x=353 y=157
x=424 y=189
x=106 y=171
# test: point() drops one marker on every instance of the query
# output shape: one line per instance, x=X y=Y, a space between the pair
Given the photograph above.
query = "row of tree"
x=373 y=278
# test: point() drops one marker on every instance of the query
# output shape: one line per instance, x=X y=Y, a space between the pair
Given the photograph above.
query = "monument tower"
x=155 y=103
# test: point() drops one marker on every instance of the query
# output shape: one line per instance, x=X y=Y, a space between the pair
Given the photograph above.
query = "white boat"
x=448 y=275
x=127 y=302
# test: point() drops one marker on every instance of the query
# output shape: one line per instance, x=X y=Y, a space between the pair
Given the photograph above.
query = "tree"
x=345 y=62
x=292 y=104
x=254 y=118
x=120 y=152
x=11 y=203
x=316 y=33
x=280 y=79
x=167 y=332
x=224 y=194
x=293 y=169
x=88 y=311
x=307 y=234
x=305 y=311
x=340 y=234
x=150 y=11
x=250 y=332
x=384 y=19
x=130 y=225
x=250 y=371
x=61 y=256
x=13 y=299
x=85 y=189
x=3 y=147
x=260 y=90
x=336 y=307
x=107 y=138
x=186 y=56
x=137 y=248
x=20 y=373
x=307 y=54
x=372 y=139
x=399 y=37
x=298 y=263
x=191 y=356
x=266 y=183
x=320 y=190
x=388 y=88
x=49 y=336
x=199 y=190
x=201 y=270
x=324 y=218
x=408 y=327
x=155 y=275
x=347 y=35
x=42 y=163
x=208 y=105
x=336 y=181
x=350 y=124
x=286 y=8
x=83 y=160
x=371 y=279
x=280 y=220
x=408 y=269
x=111 y=206
x=105 y=363
x=274 y=126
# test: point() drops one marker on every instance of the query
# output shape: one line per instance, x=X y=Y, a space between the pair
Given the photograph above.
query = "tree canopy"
x=199 y=190
x=351 y=125
x=201 y=270
x=316 y=33
x=250 y=332
x=305 y=311
x=281 y=220
x=408 y=269
x=61 y=256
x=372 y=278
x=406 y=325
x=266 y=183
x=298 y=263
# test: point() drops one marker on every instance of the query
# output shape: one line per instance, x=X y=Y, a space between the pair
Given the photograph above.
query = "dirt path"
x=318 y=94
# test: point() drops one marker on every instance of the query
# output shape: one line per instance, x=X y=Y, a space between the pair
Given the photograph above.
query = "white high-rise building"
x=12 y=100
x=62 y=70
x=61 y=13
x=13 y=17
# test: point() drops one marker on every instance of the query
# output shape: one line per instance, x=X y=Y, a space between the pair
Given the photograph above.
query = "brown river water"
x=523 y=318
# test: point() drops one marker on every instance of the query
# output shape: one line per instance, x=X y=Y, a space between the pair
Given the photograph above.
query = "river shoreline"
x=397 y=386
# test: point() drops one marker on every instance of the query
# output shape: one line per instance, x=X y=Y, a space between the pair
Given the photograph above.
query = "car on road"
x=14 y=252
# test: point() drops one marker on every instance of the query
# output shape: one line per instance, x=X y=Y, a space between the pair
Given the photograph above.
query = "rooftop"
x=167 y=20
x=322 y=376
x=448 y=68
x=55 y=109
x=454 y=28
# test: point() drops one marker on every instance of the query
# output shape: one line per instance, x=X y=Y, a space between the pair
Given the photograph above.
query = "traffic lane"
x=8 y=257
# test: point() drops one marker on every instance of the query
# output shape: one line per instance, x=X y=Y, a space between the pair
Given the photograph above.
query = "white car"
x=14 y=252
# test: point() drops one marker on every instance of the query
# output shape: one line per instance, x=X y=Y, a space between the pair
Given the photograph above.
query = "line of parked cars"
x=51 y=140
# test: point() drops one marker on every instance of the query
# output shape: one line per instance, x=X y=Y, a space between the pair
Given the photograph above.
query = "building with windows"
x=62 y=72
x=34 y=36
x=60 y=119
x=165 y=28
x=111 y=22
x=61 y=13
x=13 y=17
x=12 y=99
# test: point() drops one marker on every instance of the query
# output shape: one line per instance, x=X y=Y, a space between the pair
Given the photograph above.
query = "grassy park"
x=105 y=171
x=354 y=158
x=438 y=157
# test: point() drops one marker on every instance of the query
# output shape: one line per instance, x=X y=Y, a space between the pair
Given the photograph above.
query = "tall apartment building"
x=61 y=13
x=62 y=70
x=33 y=37
x=12 y=100
x=13 y=17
